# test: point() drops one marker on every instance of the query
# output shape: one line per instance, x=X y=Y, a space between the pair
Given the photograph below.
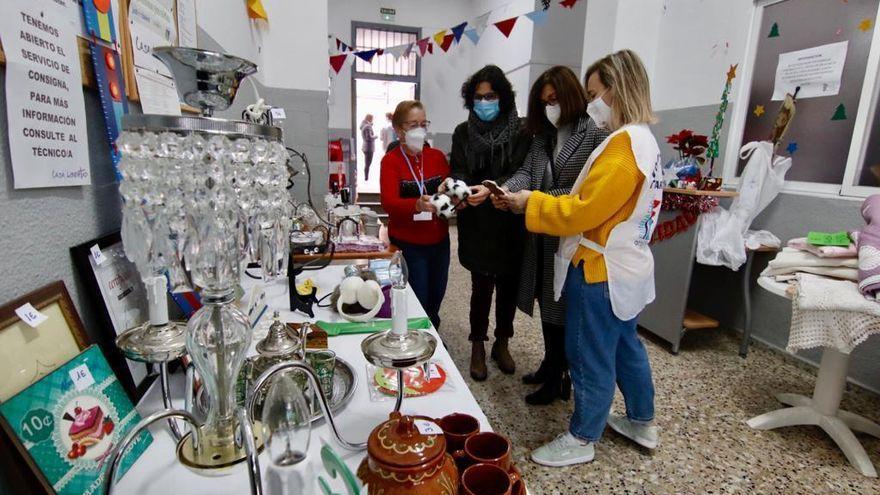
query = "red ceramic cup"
x=488 y=479
x=457 y=428
x=488 y=448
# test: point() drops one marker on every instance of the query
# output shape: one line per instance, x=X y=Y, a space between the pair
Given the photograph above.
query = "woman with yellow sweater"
x=604 y=262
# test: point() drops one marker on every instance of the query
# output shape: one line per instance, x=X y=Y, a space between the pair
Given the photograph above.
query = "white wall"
x=288 y=48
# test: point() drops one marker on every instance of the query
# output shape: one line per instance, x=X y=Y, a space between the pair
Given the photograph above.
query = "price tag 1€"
x=82 y=377
x=97 y=255
x=426 y=427
x=433 y=372
x=29 y=314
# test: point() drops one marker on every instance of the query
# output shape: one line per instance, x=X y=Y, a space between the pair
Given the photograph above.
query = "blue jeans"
x=428 y=267
x=602 y=349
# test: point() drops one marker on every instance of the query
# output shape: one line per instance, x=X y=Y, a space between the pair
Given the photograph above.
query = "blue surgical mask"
x=487 y=110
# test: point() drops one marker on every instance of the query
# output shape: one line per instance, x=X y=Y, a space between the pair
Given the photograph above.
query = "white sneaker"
x=565 y=450
x=642 y=434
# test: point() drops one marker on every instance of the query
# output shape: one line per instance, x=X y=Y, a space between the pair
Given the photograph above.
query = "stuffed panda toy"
x=457 y=189
x=443 y=204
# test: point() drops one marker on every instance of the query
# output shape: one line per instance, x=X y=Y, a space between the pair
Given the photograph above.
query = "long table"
x=159 y=472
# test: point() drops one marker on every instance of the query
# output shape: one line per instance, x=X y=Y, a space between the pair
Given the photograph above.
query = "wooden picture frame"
x=114 y=281
x=54 y=301
x=57 y=340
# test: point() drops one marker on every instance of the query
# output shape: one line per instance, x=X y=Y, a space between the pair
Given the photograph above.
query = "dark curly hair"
x=493 y=75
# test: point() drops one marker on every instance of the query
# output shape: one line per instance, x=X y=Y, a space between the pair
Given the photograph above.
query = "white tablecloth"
x=158 y=472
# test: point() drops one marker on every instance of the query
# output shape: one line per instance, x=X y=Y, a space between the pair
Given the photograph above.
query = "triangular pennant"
x=537 y=16
x=256 y=10
x=447 y=42
x=380 y=51
x=472 y=35
x=481 y=23
x=337 y=61
x=396 y=51
x=457 y=31
x=506 y=26
x=337 y=44
x=409 y=49
x=438 y=37
x=366 y=55
x=569 y=4
x=430 y=48
x=423 y=46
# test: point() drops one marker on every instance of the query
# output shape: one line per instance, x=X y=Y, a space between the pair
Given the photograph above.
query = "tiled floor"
x=704 y=397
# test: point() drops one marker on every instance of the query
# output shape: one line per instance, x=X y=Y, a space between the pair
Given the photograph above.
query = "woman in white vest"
x=604 y=263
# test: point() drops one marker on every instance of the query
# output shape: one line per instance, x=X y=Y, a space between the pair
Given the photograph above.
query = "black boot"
x=550 y=341
x=536 y=377
x=557 y=386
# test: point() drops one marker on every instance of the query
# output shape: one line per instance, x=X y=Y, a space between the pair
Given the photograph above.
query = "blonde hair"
x=624 y=72
x=402 y=110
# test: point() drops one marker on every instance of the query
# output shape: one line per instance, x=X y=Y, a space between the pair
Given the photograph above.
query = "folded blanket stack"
x=791 y=261
x=869 y=248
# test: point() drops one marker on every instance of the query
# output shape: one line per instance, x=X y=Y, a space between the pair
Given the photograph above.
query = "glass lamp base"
x=213 y=460
x=389 y=350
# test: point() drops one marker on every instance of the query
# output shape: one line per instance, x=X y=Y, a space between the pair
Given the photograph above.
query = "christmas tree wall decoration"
x=774 y=31
x=712 y=151
x=839 y=113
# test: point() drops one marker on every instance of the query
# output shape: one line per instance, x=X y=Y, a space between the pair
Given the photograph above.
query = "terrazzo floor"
x=703 y=398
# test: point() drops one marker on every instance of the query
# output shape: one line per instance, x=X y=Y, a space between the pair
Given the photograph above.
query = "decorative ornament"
x=759 y=110
x=839 y=113
x=538 y=17
x=337 y=61
x=447 y=42
x=99 y=20
x=423 y=46
x=458 y=30
x=568 y=4
x=473 y=36
x=792 y=147
x=367 y=55
x=438 y=37
x=256 y=10
x=506 y=26
x=866 y=24
x=774 y=31
x=712 y=151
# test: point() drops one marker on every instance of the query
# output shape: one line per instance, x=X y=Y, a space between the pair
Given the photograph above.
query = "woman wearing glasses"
x=490 y=145
x=564 y=137
x=410 y=174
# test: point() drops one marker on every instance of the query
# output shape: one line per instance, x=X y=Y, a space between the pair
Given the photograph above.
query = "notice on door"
x=816 y=71
x=44 y=96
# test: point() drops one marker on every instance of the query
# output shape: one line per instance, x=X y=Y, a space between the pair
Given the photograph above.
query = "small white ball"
x=348 y=289
x=368 y=294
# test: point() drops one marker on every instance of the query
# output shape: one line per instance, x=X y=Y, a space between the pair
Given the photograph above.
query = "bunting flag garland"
x=256 y=10
x=367 y=55
x=423 y=46
x=444 y=38
x=457 y=31
x=537 y=16
x=472 y=35
x=337 y=61
x=447 y=42
x=506 y=26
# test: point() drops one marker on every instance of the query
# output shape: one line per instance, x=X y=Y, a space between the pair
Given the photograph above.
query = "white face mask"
x=599 y=111
x=415 y=139
x=553 y=112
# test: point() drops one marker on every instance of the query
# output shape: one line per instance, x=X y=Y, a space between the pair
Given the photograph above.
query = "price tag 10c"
x=29 y=314
x=82 y=377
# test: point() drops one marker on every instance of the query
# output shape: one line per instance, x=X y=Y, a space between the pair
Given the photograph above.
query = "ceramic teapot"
x=402 y=460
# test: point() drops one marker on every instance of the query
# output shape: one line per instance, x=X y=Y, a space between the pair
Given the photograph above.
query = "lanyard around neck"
x=420 y=180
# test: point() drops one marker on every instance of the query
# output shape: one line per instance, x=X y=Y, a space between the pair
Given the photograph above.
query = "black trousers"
x=505 y=287
x=368 y=160
x=555 y=361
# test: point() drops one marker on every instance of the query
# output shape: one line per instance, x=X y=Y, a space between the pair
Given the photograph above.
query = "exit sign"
x=387 y=14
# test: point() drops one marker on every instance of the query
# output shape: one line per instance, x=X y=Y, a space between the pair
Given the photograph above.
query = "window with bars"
x=370 y=38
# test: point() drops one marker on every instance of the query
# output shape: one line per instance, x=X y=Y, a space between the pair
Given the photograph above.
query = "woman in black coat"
x=490 y=145
x=564 y=137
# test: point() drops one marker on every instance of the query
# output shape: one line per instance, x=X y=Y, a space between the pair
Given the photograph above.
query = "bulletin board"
x=125 y=54
x=820 y=134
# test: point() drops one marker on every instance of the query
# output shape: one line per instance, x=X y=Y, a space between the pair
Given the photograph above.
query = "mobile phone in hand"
x=493 y=188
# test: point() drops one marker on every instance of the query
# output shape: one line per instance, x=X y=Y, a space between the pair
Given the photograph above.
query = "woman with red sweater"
x=410 y=174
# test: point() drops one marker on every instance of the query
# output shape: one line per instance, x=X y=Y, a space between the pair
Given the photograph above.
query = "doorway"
x=377 y=97
x=376 y=89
